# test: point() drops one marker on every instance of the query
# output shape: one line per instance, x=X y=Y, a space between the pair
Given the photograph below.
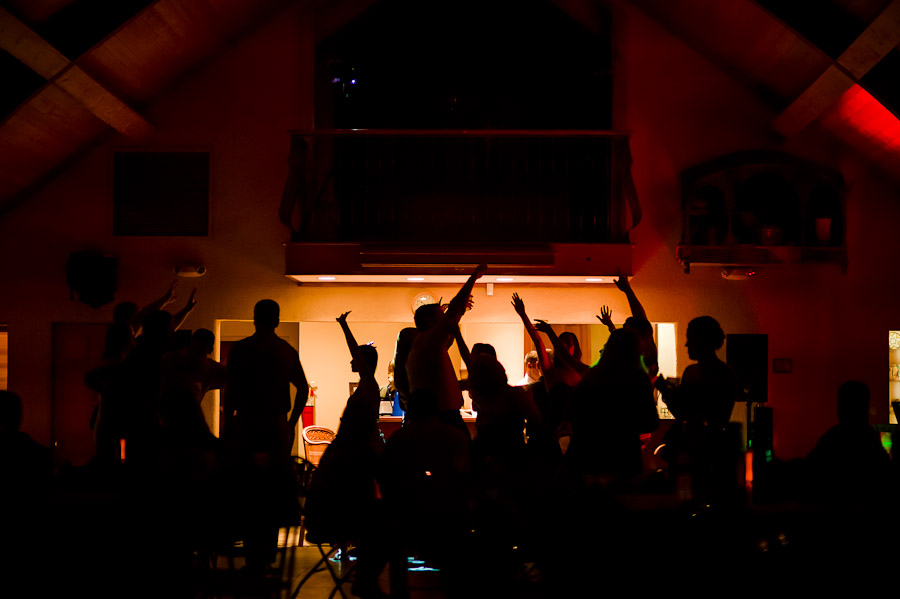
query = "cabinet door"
x=77 y=348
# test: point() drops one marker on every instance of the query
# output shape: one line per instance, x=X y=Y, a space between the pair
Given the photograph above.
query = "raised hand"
x=605 y=316
x=479 y=271
x=192 y=301
x=542 y=326
x=343 y=317
x=622 y=283
x=169 y=296
x=518 y=305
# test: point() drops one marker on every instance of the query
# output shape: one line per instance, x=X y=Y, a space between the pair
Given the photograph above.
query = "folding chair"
x=315 y=441
x=326 y=551
x=222 y=571
x=305 y=469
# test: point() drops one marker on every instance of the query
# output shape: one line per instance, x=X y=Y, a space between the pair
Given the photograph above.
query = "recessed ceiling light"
x=415 y=278
x=504 y=279
x=594 y=280
x=327 y=278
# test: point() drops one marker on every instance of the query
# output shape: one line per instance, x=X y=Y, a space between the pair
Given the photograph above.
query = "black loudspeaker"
x=92 y=276
x=762 y=441
x=748 y=354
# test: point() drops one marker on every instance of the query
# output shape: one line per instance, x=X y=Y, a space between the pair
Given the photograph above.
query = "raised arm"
x=457 y=306
x=158 y=304
x=462 y=347
x=352 y=345
x=181 y=315
x=605 y=317
x=361 y=364
x=519 y=307
x=637 y=310
x=558 y=348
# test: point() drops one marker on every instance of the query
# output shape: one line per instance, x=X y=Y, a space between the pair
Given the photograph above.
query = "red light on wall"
x=861 y=111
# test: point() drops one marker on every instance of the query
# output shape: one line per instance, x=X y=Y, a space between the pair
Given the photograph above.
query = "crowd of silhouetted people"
x=571 y=482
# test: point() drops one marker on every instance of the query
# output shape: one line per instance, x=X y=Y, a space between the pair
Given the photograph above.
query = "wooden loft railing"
x=466 y=186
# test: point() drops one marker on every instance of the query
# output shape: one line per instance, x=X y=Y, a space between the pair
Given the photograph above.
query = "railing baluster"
x=523 y=186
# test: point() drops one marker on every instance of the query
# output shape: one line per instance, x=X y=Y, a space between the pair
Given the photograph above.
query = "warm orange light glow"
x=748 y=468
x=122 y=449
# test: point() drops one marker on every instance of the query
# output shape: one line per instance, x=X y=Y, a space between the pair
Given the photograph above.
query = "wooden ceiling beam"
x=29 y=48
x=48 y=62
x=36 y=11
x=879 y=38
x=812 y=103
x=103 y=104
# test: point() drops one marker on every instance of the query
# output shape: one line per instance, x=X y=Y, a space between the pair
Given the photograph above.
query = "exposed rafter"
x=879 y=38
x=798 y=79
x=814 y=101
x=97 y=93
x=37 y=54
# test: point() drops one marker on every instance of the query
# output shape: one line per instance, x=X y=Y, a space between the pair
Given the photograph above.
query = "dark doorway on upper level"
x=468 y=64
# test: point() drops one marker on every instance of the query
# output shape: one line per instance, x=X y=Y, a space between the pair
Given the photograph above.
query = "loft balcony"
x=427 y=193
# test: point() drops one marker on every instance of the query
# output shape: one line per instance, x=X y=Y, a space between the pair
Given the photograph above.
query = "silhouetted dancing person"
x=567 y=363
x=401 y=355
x=428 y=365
x=424 y=480
x=849 y=465
x=27 y=519
x=611 y=407
x=850 y=483
x=566 y=353
x=504 y=478
x=26 y=467
x=187 y=376
x=108 y=419
x=111 y=412
x=261 y=369
x=552 y=399
x=532 y=365
x=341 y=506
x=138 y=387
x=130 y=316
x=702 y=406
x=503 y=410
x=637 y=321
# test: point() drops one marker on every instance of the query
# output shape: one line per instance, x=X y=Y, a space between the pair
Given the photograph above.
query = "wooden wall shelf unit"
x=762 y=208
x=725 y=255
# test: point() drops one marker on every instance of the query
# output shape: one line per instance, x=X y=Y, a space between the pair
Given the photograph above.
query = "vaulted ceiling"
x=99 y=64
x=75 y=71
x=832 y=64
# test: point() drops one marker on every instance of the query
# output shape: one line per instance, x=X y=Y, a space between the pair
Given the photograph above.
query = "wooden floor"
x=423 y=585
